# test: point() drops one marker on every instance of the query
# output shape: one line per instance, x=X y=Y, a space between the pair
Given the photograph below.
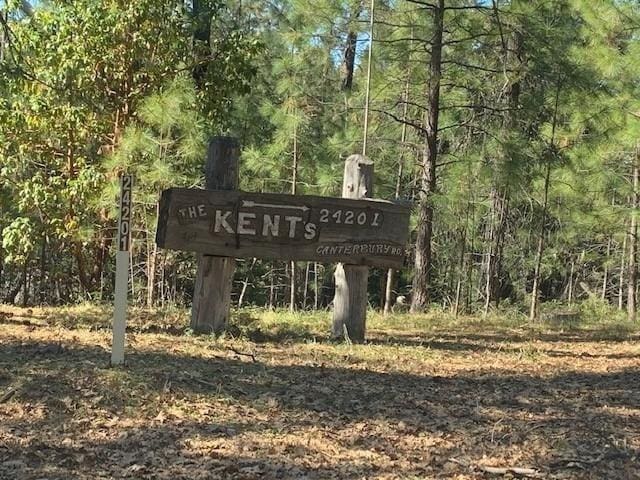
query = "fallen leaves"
x=457 y=403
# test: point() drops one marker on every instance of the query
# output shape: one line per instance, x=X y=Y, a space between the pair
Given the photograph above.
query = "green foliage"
x=94 y=89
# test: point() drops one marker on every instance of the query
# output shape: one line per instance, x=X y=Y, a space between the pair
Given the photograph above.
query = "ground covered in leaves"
x=425 y=398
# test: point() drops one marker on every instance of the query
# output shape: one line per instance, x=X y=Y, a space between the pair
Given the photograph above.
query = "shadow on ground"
x=578 y=424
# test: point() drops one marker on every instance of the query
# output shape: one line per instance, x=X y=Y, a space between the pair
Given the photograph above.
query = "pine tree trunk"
x=202 y=41
x=633 y=243
x=42 y=288
x=243 y=291
x=461 y=263
x=423 y=256
x=294 y=189
x=573 y=266
x=365 y=134
x=623 y=263
x=605 y=280
x=271 y=287
x=25 y=285
x=388 y=294
x=350 y=49
x=306 y=287
x=533 y=313
x=496 y=246
x=316 y=292
x=513 y=58
x=151 y=274
x=10 y=298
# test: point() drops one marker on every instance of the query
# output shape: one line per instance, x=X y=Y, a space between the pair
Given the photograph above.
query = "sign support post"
x=214 y=277
x=122 y=271
x=350 y=301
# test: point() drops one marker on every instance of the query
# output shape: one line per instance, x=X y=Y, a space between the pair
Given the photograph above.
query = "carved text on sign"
x=291 y=227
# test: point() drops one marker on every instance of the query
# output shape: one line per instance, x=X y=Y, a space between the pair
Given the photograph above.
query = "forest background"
x=512 y=126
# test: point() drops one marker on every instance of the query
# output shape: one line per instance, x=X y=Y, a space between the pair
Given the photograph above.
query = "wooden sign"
x=283 y=227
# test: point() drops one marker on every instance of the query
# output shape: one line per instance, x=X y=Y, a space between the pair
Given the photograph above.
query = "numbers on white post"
x=122 y=271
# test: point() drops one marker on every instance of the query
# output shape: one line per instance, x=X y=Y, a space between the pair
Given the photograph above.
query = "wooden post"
x=212 y=292
x=350 y=301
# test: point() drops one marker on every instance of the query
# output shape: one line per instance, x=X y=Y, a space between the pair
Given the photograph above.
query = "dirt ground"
x=456 y=401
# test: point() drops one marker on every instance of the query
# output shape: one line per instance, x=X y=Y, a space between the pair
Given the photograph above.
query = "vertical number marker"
x=122 y=271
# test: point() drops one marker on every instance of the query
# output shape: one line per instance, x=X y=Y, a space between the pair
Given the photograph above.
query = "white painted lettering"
x=244 y=223
x=310 y=231
x=221 y=222
x=192 y=212
x=201 y=211
x=293 y=221
x=348 y=217
x=270 y=227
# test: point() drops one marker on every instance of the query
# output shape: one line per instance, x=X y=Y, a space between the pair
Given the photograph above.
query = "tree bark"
x=423 y=256
x=349 y=60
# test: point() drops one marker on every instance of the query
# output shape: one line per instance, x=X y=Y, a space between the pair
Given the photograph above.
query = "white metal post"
x=122 y=271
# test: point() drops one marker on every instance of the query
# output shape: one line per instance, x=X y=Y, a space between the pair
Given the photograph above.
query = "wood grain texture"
x=212 y=291
x=284 y=227
x=350 y=301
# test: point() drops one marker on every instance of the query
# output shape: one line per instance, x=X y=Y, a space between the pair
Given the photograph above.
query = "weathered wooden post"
x=350 y=301
x=212 y=291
